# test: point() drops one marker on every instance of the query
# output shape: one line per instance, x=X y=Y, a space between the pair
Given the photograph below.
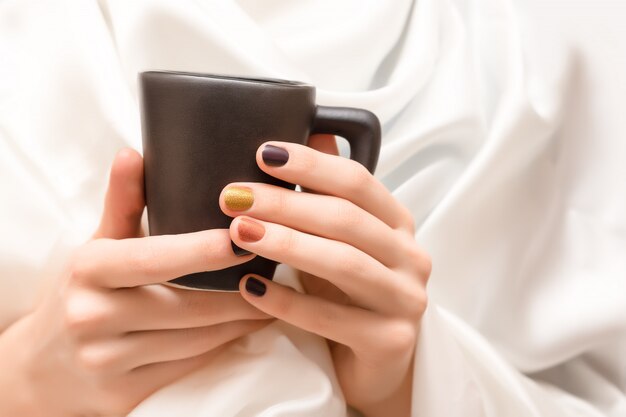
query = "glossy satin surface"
x=503 y=133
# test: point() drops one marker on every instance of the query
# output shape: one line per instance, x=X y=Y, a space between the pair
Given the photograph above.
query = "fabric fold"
x=502 y=135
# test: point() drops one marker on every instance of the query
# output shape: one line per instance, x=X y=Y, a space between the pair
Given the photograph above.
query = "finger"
x=185 y=343
x=173 y=308
x=327 y=216
x=319 y=287
x=364 y=331
x=366 y=281
x=153 y=259
x=124 y=201
x=333 y=175
x=121 y=354
x=145 y=380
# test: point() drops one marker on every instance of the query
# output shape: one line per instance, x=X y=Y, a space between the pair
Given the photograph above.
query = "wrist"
x=16 y=390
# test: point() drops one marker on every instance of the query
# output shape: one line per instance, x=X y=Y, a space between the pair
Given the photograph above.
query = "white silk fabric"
x=502 y=134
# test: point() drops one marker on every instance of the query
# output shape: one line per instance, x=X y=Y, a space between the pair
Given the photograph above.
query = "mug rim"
x=229 y=77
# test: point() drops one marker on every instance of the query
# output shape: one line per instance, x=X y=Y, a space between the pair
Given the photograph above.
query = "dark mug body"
x=202 y=131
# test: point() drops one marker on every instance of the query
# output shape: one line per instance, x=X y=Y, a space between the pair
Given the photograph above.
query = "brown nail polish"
x=274 y=156
x=250 y=231
x=238 y=198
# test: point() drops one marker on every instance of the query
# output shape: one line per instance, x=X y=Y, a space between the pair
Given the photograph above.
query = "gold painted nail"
x=238 y=198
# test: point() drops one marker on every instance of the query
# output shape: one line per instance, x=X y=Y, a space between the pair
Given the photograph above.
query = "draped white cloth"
x=502 y=134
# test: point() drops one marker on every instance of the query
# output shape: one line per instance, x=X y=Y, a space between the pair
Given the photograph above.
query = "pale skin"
x=364 y=274
x=111 y=335
x=104 y=339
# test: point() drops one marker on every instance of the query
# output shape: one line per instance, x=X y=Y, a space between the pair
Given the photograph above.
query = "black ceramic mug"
x=201 y=132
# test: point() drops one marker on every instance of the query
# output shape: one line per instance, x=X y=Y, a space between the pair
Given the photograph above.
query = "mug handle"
x=359 y=127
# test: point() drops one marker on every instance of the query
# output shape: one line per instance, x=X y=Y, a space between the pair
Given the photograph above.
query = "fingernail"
x=249 y=230
x=239 y=251
x=274 y=156
x=238 y=198
x=255 y=287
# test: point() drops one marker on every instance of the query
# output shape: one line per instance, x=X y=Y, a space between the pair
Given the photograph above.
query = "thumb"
x=124 y=201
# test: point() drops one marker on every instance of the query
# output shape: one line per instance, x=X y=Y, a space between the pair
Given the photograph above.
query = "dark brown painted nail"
x=239 y=251
x=274 y=156
x=255 y=287
x=249 y=230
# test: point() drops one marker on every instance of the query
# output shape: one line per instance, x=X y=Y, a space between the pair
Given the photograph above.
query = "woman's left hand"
x=364 y=274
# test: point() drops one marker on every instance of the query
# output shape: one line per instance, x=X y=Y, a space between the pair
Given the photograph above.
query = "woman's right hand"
x=104 y=338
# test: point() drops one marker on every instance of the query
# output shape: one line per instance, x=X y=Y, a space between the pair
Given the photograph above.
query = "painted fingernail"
x=250 y=231
x=255 y=287
x=238 y=198
x=239 y=251
x=274 y=156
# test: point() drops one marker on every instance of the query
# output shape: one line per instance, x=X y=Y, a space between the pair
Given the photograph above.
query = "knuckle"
x=400 y=337
x=412 y=251
x=144 y=260
x=326 y=319
x=284 y=304
x=80 y=266
x=349 y=215
x=359 y=178
x=407 y=219
x=95 y=359
x=416 y=303
x=423 y=302
x=279 y=203
x=288 y=241
x=349 y=262
x=84 y=312
x=74 y=322
x=425 y=264
x=419 y=259
x=212 y=249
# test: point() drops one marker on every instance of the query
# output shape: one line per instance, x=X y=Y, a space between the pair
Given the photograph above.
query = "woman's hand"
x=104 y=338
x=364 y=275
